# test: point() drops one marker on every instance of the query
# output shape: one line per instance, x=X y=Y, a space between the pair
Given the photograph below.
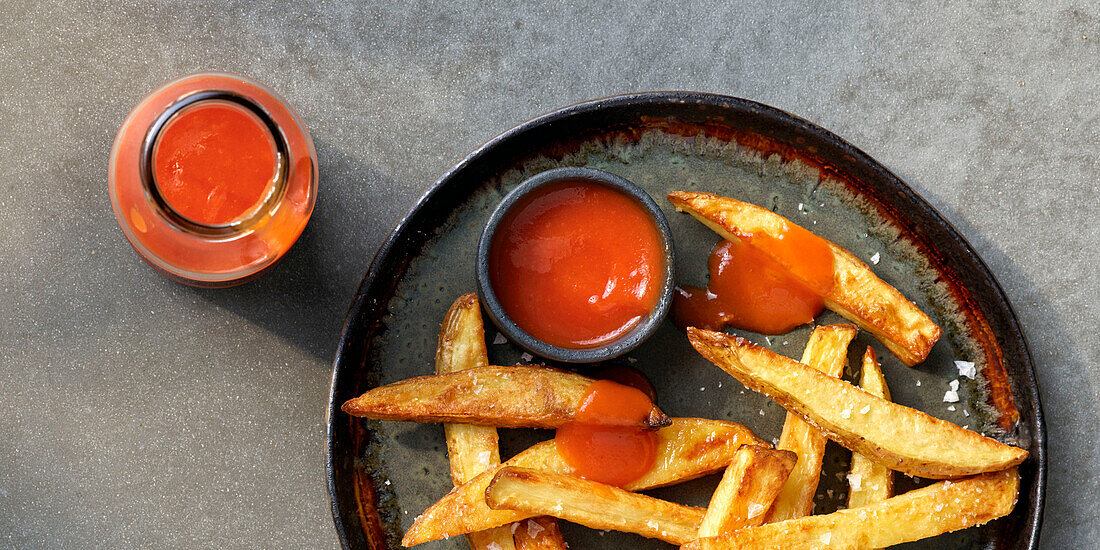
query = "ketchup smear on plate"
x=763 y=283
x=605 y=442
x=577 y=264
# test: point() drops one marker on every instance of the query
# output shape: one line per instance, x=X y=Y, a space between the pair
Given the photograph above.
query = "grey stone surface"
x=138 y=412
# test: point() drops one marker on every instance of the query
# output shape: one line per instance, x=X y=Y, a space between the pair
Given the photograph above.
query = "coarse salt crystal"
x=387 y=482
x=526 y=356
x=533 y=527
x=954 y=385
x=966 y=412
x=846 y=413
x=703 y=389
x=875 y=258
x=826 y=538
x=801 y=206
x=951 y=408
x=866 y=409
x=856 y=481
x=966 y=368
x=918 y=383
x=755 y=509
x=951 y=396
x=500 y=339
x=652 y=524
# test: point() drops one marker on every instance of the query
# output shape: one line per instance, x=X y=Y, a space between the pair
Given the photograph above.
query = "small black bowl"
x=611 y=349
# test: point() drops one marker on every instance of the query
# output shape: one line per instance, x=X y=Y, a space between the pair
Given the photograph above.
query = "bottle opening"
x=215 y=163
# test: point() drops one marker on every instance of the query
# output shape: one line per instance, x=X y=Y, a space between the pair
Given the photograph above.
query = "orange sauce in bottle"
x=577 y=264
x=214 y=161
x=762 y=283
x=604 y=442
x=212 y=178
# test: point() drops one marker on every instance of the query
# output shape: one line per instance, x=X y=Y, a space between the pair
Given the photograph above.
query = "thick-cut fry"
x=507 y=397
x=539 y=533
x=857 y=293
x=827 y=351
x=750 y=483
x=940 y=508
x=893 y=435
x=870 y=482
x=592 y=504
x=472 y=449
x=688 y=449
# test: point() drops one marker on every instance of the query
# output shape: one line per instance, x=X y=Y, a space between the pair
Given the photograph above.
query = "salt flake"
x=966 y=368
x=500 y=339
x=951 y=396
x=875 y=258
x=526 y=357
x=951 y=408
x=846 y=413
x=533 y=528
x=866 y=409
x=856 y=481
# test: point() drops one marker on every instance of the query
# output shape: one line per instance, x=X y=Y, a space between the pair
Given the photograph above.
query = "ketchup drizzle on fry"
x=761 y=283
x=605 y=443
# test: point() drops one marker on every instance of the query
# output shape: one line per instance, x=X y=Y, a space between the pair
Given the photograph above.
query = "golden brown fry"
x=507 y=397
x=539 y=533
x=940 y=508
x=688 y=449
x=472 y=449
x=827 y=351
x=870 y=482
x=893 y=435
x=857 y=293
x=592 y=504
x=750 y=484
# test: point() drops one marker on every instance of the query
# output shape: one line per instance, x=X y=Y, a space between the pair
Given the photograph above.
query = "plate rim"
x=1034 y=523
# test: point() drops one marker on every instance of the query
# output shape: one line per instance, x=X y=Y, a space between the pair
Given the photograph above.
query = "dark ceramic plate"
x=381 y=475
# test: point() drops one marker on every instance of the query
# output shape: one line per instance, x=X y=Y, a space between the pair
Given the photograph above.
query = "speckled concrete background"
x=138 y=412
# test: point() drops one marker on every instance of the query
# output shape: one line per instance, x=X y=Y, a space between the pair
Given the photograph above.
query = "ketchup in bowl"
x=577 y=264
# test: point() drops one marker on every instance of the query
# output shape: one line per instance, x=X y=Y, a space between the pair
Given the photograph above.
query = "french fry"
x=539 y=533
x=750 y=484
x=506 y=397
x=870 y=482
x=893 y=435
x=472 y=449
x=857 y=293
x=592 y=504
x=939 y=508
x=826 y=351
x=688 y=449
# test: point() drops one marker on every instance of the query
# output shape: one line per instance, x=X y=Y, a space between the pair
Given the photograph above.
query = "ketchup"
x=764 y=283
x=212 y=178
x=604 y=442
x=214 y=161
x=577 y=264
